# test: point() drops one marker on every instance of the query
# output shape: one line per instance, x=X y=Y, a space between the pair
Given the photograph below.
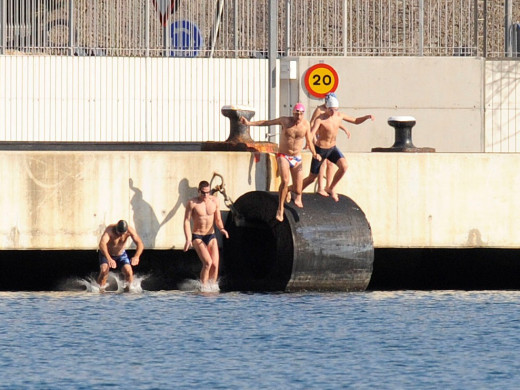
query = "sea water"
x=195 y=340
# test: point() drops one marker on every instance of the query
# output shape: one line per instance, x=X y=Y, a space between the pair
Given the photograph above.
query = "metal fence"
x=241 y=28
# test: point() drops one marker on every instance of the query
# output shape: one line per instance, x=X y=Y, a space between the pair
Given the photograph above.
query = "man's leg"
x=128 y=273
x=283 y=167
x=331 y=167
x=205 y=258
x=297 y=179
x=309 y=180
x=103 y=275
x=342 y=169
x=322 y=180
x=213 y=251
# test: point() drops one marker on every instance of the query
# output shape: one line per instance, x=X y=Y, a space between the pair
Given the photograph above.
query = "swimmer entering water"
x=295 y=129
x=112 y=253
x=205 y=213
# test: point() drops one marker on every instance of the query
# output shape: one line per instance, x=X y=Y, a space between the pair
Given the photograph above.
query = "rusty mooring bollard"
x=403 y=136
x=239 y=137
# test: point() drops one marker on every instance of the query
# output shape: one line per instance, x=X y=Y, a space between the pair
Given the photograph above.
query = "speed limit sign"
x=321 y=79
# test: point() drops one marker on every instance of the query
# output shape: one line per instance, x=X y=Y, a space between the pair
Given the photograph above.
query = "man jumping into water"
x=112 y=253
x=295 y=129
x=325 y=130
x=205 y=213
x=327 y=168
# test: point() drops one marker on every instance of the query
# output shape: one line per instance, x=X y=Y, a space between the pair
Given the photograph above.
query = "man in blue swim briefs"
x=112 y=253
x=325 y=130
x=205 y=212
x=295 y=131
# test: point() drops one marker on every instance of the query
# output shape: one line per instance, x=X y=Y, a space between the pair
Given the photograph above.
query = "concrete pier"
x=64 y=200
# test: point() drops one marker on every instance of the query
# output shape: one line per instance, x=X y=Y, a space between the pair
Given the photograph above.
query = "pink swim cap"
x=299 y=107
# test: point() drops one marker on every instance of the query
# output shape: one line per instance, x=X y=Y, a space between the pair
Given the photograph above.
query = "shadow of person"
x=185 y=193
x=145 y=220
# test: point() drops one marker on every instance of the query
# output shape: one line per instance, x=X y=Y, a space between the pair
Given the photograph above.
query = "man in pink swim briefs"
x=295 y=130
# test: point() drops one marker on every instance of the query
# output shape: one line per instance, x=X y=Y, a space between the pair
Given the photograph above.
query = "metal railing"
x=240 y=28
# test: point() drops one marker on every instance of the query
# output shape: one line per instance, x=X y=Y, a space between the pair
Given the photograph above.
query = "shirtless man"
x=112 y=253
x=205 y=212
x=295 y=131
x=327 y=168
x=325 y=129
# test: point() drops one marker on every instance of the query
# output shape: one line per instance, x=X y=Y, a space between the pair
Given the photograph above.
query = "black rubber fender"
x=324 y=246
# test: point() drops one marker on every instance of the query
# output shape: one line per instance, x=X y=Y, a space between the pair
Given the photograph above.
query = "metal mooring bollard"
x=403 y=136
x=239 y=137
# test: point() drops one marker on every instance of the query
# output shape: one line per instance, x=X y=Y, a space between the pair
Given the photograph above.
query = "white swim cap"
x=332 y=102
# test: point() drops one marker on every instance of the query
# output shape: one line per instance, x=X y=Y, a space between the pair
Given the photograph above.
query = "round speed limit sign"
x=321 y=79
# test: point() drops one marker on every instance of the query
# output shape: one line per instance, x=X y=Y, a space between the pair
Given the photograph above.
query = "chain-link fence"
x=241 y=28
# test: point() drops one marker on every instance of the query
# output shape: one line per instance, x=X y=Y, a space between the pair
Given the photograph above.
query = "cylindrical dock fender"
x=324 y=246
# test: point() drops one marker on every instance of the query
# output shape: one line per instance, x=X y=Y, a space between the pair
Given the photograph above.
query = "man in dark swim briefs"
x=112 y=253
x=325 y=130
x=204 y=211
x=295 y=131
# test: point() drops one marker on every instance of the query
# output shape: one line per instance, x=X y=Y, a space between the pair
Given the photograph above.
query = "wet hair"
x=203 y=184
x=121 y=227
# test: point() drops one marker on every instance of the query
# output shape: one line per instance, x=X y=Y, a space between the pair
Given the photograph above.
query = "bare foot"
x=279 y=215
x=288 y=197
x=298 y=202
x=333 y=194
x=322 y=193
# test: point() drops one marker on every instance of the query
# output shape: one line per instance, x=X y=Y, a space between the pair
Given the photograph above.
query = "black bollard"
x=238 y=132
x=403 y=136
x=239 y=137
x=326 y=246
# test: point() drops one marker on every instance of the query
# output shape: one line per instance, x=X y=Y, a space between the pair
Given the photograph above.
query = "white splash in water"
x=196 y=285
x=115 y=283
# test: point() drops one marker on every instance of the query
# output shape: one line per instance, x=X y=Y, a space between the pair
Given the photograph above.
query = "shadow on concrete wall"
x=145 y=219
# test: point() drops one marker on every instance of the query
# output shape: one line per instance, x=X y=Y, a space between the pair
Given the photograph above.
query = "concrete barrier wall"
x=124 y=99
x=462 y=104
x=64 y=200
x=444 y=94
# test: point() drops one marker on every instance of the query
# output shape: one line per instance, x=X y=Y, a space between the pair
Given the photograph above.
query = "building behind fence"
x=240 y=28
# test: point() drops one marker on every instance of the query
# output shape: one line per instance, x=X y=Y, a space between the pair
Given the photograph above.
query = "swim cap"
x=121 y=226
x=332 y=102
x=299 y=107
x=329 y=95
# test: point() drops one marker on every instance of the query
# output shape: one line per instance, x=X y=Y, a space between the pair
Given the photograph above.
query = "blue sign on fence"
x=186 y=39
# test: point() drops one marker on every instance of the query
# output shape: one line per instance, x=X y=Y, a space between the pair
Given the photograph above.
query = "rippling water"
x=173 y=339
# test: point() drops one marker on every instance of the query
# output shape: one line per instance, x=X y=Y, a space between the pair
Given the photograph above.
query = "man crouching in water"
x=112 y=253
x=205 y=212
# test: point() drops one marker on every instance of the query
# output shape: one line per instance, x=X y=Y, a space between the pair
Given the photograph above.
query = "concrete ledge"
x=63 y=200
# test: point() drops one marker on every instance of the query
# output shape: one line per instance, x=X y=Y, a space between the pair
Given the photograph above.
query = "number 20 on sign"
x=321 y=79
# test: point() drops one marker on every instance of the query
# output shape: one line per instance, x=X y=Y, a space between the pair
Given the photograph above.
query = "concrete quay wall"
x=64 y=200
